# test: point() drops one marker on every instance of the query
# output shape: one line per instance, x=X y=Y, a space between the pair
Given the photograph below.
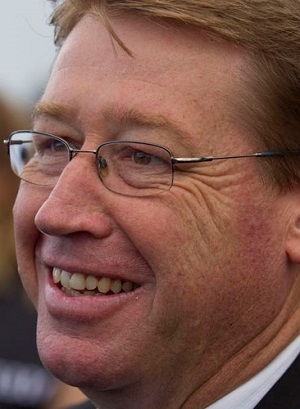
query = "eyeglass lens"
x=128 y=168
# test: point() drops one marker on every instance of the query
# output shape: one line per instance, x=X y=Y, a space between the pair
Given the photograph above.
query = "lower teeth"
x=69 y=291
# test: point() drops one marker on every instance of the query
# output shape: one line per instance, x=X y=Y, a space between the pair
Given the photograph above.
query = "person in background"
x=162 y=247
x=24 y=382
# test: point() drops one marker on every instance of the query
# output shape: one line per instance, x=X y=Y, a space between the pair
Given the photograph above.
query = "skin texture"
x=218 y=289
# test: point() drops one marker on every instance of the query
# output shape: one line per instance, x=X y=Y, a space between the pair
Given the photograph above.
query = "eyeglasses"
x=125 y=167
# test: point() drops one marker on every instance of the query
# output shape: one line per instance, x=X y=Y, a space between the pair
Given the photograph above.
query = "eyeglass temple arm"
x=15 y=142
x=8 y=142
x=250 y=155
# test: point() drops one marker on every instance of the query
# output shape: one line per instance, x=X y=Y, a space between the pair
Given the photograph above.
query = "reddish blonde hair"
x=269 y=30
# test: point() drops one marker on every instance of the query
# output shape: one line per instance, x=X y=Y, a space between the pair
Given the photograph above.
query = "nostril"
x=47 y=219
x=69 y=211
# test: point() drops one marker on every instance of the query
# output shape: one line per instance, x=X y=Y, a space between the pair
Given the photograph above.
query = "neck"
x=254 y=356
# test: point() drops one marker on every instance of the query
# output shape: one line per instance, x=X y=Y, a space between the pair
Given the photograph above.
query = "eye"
x=48 y=146
x=143 y=158
x=56 y=145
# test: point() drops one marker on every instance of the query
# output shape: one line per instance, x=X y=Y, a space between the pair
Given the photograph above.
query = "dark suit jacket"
x=85 y=405
x=285 y=394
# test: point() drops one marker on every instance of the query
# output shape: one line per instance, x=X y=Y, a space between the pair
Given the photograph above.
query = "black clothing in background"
x=85 y=405
x=24 y=382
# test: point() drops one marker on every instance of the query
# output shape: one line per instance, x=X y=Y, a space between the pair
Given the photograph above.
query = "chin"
x=82 y=363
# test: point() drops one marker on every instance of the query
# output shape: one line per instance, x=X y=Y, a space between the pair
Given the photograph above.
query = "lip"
x=85 y=307
x=124 y=266
x=127 y=266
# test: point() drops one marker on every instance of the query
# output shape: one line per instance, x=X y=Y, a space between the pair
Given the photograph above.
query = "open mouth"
x=78 y=284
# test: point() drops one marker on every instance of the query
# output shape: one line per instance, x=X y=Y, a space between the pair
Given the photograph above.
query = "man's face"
x=206 y=256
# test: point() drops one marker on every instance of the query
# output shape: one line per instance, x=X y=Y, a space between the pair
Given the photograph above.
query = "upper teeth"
x=77 y=283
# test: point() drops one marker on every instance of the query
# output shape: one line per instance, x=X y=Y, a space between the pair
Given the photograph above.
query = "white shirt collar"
x=248 y=395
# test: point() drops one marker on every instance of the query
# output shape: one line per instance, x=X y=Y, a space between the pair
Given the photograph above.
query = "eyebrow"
x=53 y=110
x=115 y=114
x=133 y=117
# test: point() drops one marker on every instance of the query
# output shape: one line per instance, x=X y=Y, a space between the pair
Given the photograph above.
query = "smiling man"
x=158 y=217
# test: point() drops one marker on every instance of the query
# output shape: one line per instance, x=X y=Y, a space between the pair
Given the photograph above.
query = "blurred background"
x=27 y=50
x=27 y=53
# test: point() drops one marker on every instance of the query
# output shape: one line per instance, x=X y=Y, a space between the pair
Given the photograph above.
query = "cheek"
x=172 y=241
x=26 y=206
x=203 y=257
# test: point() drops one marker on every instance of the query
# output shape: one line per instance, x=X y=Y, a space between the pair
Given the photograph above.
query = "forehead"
x=163 y=45
x=175 y=71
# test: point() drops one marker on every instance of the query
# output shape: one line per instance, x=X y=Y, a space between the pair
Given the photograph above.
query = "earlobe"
x=293 y=240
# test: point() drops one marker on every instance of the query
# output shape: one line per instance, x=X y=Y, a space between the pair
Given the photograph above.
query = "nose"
x=76 y=204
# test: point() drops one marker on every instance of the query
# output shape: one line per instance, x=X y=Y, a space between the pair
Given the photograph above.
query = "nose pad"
x=102 y=167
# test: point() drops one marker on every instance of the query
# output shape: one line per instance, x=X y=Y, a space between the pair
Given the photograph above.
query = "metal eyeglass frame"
x=173 y=160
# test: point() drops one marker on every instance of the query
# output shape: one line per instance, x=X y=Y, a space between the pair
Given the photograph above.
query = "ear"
x=293 y=235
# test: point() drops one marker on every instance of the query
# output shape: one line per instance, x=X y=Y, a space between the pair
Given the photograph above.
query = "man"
x=158 y=220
